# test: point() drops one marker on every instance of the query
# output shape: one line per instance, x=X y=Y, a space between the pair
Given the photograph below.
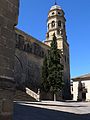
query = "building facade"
x=56 y=24
x=29 y=53
x=81 y=88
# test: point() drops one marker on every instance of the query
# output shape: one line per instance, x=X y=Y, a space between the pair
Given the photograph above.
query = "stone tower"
x=56 y=24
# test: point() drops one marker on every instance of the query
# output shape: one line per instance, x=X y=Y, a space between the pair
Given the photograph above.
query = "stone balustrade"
x=36 y=96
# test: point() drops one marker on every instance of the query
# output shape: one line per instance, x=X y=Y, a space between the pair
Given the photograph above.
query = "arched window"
x=58 y=32
x=52 y=13
x=53 y=24
x=58 y=13
x=59 y=23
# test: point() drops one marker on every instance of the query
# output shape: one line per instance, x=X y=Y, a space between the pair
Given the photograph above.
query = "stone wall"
x=29 y=55
x=22 y=96
x=8 y=19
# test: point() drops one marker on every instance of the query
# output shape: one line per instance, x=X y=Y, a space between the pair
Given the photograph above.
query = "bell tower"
x=56 y=24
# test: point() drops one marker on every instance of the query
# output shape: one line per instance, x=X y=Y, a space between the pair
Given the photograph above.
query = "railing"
x=36 y=96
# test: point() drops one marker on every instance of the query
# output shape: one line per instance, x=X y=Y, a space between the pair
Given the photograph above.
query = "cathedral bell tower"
x=56 y=24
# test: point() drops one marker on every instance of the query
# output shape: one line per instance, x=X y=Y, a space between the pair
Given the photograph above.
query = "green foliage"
x=52 y=69
x=55 y=76
x=45 y=83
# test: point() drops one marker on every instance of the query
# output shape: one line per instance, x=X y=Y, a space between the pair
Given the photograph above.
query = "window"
x=59 y=23
x=58 y=32
x=52 y=13
x=53 y=24
x=58 y=13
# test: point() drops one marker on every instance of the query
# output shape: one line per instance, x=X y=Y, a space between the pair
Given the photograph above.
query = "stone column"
x=8 y=19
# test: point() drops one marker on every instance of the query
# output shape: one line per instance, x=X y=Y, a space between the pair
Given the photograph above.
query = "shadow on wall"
x=22 y=112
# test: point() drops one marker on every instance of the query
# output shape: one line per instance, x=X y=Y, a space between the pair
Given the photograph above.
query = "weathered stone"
x=5 y=62
x=10 y=25
x=1 y=21
x=7 y=52
x=2 y=41
x=10 y=43
x=14 y=2
x=6 y=104
x=8 y=19
x=6 y=72
x=28 y=60
x=4 y=4
x=7 y=33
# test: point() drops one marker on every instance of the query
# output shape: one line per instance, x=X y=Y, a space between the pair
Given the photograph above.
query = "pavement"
x=50 y=110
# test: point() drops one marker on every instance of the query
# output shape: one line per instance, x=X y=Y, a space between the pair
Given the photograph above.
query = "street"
x=51 y=111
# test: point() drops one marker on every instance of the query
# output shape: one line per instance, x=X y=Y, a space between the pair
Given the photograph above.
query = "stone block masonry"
x=8 y=19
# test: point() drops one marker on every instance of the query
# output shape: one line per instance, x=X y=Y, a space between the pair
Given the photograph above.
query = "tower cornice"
x=56 y=10
x=50 y=17
x=53 y=29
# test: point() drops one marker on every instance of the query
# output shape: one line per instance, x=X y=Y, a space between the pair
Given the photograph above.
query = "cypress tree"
x=45 y=84
x=55 y=76
x=52 y=77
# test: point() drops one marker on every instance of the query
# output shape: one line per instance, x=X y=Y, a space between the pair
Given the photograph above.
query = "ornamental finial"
x=55 y=2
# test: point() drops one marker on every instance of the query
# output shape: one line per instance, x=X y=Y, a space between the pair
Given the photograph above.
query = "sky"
x=33 y=17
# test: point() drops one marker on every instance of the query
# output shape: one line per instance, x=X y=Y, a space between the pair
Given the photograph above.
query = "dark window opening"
x=53 y=24
x=59 y=13
x=52 y=13
x=59 y=23
x=58 y=32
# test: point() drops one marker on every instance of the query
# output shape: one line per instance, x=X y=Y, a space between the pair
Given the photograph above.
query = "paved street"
x=51 y=110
